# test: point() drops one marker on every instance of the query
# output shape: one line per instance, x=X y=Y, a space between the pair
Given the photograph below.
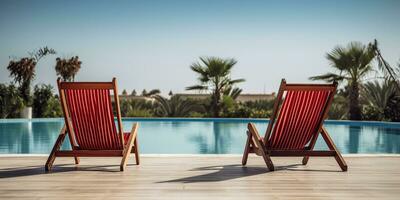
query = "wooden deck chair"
x=89 y=123
x=295 y=125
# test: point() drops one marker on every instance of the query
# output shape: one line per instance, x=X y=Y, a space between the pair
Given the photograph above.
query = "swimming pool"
x=198 y=136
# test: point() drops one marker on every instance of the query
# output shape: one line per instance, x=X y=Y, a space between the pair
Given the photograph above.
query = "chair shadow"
x=229 y=172
x=61 y=168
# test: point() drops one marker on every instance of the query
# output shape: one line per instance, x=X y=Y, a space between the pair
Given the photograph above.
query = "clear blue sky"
x=151 y=44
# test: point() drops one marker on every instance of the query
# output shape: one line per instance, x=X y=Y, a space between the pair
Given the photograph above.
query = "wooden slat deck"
x=201 y=177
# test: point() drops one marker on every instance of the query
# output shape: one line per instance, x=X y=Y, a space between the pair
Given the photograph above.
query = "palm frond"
x=384 y=66
x=329 y=77
x=153 y=92
x=235 y=93
x=197 y=87
x=231 y=82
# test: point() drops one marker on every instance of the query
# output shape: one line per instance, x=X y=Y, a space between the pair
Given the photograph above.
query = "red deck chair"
x=295 y=125
x=89 y=123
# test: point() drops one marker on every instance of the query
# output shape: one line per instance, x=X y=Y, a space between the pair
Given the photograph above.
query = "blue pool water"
x=199 y=136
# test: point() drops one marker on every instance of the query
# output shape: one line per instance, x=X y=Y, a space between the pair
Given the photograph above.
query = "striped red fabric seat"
x=92 y=119
x=298 y=119
x=90 y=124
x=295 y=124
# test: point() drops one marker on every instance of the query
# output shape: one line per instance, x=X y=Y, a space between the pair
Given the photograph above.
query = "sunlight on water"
x=196 y=137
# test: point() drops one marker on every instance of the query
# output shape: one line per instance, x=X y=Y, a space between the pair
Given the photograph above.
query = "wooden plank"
x=200 y=177
x=118 y=110
x=306 y=87
x=90 y=153
x=128 y=146
x=259 y=144
x=86 y=85
x=56 y=147
x=247 y=148
x=295 y=153
x=70 y=130
x=340 y=160
x=274 y=112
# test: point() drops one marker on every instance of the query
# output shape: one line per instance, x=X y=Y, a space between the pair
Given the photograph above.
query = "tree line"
x=369 y=88
x=18 y=94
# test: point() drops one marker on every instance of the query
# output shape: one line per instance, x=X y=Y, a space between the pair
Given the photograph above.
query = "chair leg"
x=338 y=157
x=268 y=161
x=128 y=147
x=56 y=147
x=136 y=148
x=125 y=156
x=312 y=144
x=260 y=145
x=124 y=160
x=246 y=149
x=305 y=160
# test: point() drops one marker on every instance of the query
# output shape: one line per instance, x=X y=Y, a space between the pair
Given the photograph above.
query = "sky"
x=151 y=44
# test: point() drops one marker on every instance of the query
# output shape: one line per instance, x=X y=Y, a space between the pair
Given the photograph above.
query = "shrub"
x=136 y=108
x=139 y=113
x=53 y=108
x=238 y=111
x=45 y=104
x=10 y=101
x=260 y=113
x=176 y=106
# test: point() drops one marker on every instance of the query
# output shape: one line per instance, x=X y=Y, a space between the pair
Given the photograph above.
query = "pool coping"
x=172 y=119
x=201 y=155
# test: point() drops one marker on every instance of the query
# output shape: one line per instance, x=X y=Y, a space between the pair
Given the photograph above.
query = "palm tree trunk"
x=215 y=102
x=354 y=103
x=26 y=92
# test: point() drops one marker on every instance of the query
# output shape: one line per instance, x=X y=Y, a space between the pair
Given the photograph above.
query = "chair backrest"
x=88 y=114
x=299 y=112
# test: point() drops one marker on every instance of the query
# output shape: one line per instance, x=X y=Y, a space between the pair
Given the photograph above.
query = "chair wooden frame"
x=260 y=146
x=130 y=146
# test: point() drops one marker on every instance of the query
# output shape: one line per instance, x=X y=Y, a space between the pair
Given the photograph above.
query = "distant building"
x=130 y=97
x=255 y=97
x=241 y=98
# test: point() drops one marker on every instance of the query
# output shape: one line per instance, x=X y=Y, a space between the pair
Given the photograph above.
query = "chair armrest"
x=132 y=135
x=63 y=130
x=253 y=131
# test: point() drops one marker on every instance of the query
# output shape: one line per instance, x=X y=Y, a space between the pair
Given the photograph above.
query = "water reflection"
x=193 y=137
x=221 y=138
x=354 y=139
x=28 y=137
x=386 y=140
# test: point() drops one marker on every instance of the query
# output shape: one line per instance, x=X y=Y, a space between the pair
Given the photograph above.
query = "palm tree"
x=378 y=96
x=152 y=93
x=24 y=71
x=68 y=68
x=174 y=107
x=214 y=75
x=353 y=63
x=389 y=72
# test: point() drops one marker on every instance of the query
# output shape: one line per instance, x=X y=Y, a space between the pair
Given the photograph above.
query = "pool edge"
x=202 y=155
